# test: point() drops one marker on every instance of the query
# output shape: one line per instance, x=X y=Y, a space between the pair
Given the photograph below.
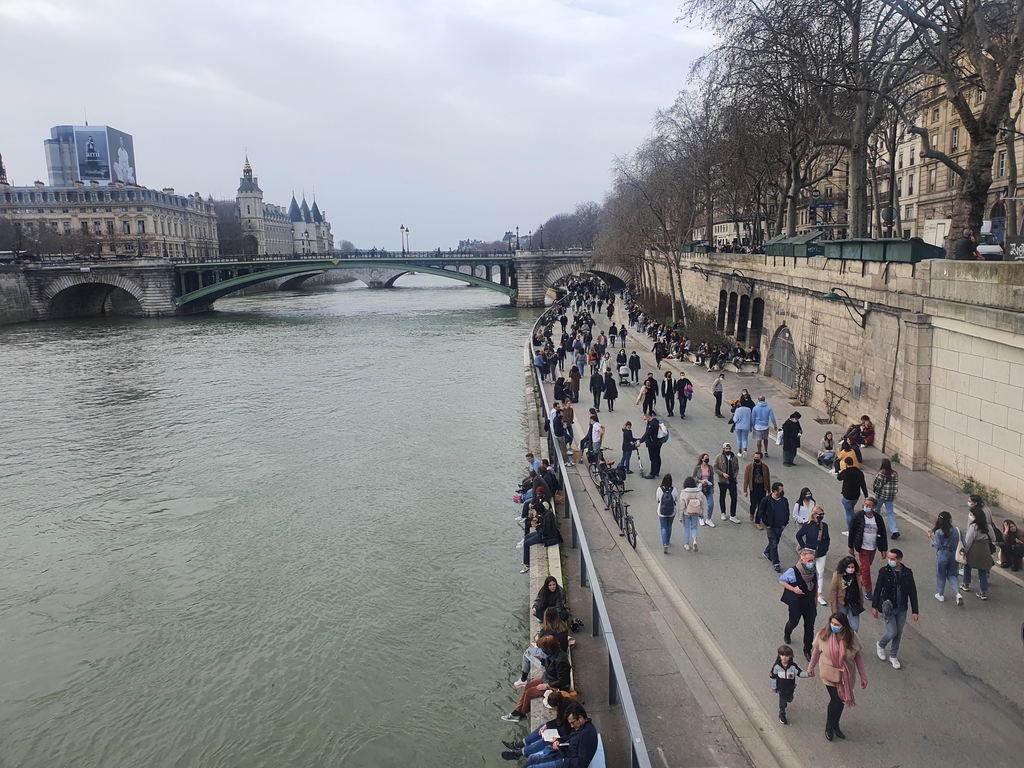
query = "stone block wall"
x=15 y=301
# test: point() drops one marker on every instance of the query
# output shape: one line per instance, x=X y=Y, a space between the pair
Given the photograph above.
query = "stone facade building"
x=270 y=229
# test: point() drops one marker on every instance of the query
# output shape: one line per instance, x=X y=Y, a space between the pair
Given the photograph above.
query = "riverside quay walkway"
x=698 y=632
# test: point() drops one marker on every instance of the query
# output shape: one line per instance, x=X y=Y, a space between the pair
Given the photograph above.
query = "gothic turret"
x=248 y=183
x=306 y=216
x=317 y=216
x=294 y=214
x=3 y=173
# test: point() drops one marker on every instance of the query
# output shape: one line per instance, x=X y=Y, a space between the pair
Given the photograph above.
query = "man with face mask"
x=867 y=536
x=799 y=592
x=894 y=588
x=757 y=479
x=727 y=467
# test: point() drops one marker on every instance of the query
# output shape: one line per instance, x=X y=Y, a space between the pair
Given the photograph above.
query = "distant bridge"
x=161 y=287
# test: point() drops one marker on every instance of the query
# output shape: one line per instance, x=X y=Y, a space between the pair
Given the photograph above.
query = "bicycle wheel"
x=630 y=531
x=617 y=510
x=595 y=473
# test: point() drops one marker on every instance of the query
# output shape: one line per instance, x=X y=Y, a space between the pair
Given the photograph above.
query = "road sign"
x=825 y=206
x=888 y=215
x=815 y=194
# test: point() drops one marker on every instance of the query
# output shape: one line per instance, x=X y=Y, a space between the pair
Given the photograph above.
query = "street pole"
x=892 y=181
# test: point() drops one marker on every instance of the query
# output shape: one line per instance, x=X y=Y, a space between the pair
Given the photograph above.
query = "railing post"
x=596 y=617
x=575 y=536
x=583 y=571
x=613 y=684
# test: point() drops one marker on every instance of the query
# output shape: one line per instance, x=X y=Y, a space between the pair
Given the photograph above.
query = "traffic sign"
x=815 y=194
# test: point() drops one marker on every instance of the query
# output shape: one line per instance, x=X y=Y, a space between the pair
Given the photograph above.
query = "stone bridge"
x=159 y=288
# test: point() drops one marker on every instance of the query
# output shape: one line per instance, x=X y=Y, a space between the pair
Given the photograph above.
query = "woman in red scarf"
x=838 y=649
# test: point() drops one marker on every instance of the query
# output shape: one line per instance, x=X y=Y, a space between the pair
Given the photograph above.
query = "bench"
x=745 y=367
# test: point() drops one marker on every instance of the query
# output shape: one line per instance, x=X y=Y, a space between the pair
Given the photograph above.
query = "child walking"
x=783 y=676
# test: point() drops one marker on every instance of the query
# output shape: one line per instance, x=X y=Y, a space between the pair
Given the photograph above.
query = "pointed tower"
x=306 y=215
x=250 y=212
x=3 y=173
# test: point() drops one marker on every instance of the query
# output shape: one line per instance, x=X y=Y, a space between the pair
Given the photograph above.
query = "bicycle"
x=630 y=527
x=619 y=508
x=598 y=467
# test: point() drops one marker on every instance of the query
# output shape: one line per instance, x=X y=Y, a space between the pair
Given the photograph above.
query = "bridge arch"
x=617 y=277
x=78 y=296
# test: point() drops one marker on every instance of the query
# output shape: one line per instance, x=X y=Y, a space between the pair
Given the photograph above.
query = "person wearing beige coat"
x=838 y=649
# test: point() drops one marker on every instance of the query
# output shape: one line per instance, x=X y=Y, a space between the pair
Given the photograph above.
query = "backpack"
x=688 y=391
x=693 y=506
x=667 y=508
x=662 y=433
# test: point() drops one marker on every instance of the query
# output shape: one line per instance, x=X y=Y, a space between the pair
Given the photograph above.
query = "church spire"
x=3 y=171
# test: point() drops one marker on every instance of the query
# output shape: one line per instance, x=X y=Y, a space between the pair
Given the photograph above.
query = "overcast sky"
x=456 y=118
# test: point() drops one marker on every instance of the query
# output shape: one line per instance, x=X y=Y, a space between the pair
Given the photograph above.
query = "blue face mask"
x=835 y=629
x=892 y=563
x=809 y=566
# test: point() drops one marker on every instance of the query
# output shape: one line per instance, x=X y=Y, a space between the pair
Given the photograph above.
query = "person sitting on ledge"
x=550 y=595
x=535 y=747
x=754 y=355
x=553 y=625
x=557 y=676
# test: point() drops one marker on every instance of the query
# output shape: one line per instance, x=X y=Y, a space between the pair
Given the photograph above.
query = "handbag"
x=778 y=437
x=961 y=552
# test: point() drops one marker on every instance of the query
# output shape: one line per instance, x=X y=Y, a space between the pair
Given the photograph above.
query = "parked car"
x=989 y=247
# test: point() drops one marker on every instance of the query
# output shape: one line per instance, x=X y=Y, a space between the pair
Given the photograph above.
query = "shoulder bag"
x=961 y=553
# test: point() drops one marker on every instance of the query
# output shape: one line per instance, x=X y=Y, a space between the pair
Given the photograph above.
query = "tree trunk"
x=671 y=285
x=878 y=202
x=709 y=217
x=792 y=200
x=969 y=204
x=1011 y=183
x=858 y=170
x=682 y=294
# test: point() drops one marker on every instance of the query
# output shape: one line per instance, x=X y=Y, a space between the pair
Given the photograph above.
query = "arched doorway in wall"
x=741 y=325
x=730 y=323
x=756 y=323
x=723 y=300
x=784 y=362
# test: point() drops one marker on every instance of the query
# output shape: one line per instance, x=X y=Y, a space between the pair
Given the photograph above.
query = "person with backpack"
x=684 y=393
x=652 y=439
x=694 y=506
x=667 y=499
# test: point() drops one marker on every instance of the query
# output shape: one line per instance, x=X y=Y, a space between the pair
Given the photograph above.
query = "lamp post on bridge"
x=402 y=230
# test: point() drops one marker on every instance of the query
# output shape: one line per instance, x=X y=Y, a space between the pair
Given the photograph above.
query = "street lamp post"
x=402 y=230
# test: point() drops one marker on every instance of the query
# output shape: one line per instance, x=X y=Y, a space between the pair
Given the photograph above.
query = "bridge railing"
x=618 y=685
x=389 y=255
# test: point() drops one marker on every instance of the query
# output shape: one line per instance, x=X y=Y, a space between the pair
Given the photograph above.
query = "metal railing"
x=618 y=686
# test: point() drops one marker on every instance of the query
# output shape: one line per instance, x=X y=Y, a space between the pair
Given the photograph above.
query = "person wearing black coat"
x=611 y=390
x=597 y=387
x=546 y=532
x=668 y=393
x=790 y=439
x=557 y=675
x=560 y=389
x=894 y=589
x=680 y=388
x=814 y=535
x=634 y=367
x=550 y=595
x=653 y=443
x=862 y=521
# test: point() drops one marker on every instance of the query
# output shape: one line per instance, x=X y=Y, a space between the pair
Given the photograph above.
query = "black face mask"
x=757 y=461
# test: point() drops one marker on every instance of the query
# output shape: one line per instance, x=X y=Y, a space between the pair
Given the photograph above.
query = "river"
x=280 y=534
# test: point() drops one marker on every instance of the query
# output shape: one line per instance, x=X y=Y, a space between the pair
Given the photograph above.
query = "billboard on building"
x=93 y=153
x=122 y=156
x=104 y=154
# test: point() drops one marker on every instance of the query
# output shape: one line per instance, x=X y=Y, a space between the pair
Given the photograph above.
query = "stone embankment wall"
x=940 y=358
x=15 y=302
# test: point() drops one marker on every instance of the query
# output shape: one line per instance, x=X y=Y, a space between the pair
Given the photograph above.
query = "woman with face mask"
x=945 y=539
x=839 y=651
x=977 y=545
x=704 y=475
x=814 y=535
x=845 y=595
x=799 y=591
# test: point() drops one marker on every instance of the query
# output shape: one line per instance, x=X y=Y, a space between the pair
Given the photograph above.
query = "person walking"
x=704 y=476
x=611 y=391
x=634 y=367
x=867 y=536
x=845 y=594
x=838 y=649
x=757 y=482
x=727 y=466
x=596 y=388
x=667 y=499
x=783 y=676
x=717 y=389
x=978 y=547
x=694 y=506
x=684 y=393
x=799 y=590
x=622 y=335
x=773 y=514
x=814 y=535
x=743 y=422
x=853 y=484
x=668 y=393
x=894 y=588
x=763 y=415
x=628 y=446
x=945 y=539
x=885 y=487
x=791 y=439
x=659 y=353
x=653 y=443
x=568 y=415
x=803 y=507
x=648 y=396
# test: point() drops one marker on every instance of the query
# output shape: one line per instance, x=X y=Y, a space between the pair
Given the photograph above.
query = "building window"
x=67 y=227
x=248 y=210
x=935 y=141
x=910 y=184
x=126 y=227
x=142 y=227
x=828 y=193
x=85 y=227
x=913 y=150
x=96 y=228
x=932 y=181
x=899 y=163
x=1001 y=165
x=110 y=227
x=954 y=139
x=908 y=213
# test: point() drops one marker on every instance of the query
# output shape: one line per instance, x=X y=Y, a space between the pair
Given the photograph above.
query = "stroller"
x=624 y=376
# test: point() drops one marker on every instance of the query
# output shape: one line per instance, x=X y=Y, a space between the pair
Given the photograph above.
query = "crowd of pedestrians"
x=870 y=575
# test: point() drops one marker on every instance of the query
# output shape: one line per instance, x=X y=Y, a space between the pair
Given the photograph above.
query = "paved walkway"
x=704 y=627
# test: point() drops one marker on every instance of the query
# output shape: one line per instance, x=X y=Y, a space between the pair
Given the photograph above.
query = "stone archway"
x=782 y=359
x=79 y=295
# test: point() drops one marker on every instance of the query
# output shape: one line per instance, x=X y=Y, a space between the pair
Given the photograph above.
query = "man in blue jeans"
x=894 y=588
x=773 y=514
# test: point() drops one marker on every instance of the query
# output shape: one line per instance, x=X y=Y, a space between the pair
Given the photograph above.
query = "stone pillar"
x=530 y=273
x=913 y=392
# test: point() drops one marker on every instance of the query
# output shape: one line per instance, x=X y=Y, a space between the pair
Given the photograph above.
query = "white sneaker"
x=665 y=549
x=821 y=600
x=940 y=598
x=519 y=544
x=735 y=520
x=881 y=652
x=725 y=516
x=710 y=523
x=895 y=662
x=959 y=599
x=686 y=547
x=700 y=521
